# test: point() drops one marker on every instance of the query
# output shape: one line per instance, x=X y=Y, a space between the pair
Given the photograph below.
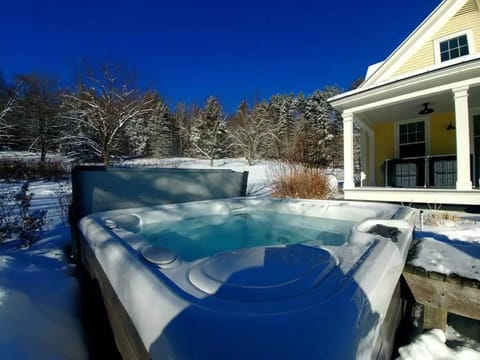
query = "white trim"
x=462 y=120
x=443 y=79
x=423 y=33
x=412 y=95
x=414 y=195
x=348 y=162
x=470 y=42
x=360 y=121
x=473 y=112
x=426 y=121
x=371 y=159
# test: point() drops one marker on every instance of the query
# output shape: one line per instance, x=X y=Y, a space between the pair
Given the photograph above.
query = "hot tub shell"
x=289 y=301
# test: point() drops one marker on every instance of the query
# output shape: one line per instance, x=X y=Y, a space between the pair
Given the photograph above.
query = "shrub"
x=441 y=218
x=437 y=217
x=16 y=219
x=298 y=181
x=63 y=192
x=28 y=169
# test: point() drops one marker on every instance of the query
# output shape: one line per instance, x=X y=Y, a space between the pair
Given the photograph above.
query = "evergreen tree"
x=208 y=134
x=320 y=134
x=159 y=128
x=282 y=113
x=335 y=120
x=306 y=129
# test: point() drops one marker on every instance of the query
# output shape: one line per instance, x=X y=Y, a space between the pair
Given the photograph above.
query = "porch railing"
x=437 y=171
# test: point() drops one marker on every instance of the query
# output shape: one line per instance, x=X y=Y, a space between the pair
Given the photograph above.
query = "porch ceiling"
x=440 y=102
x=402 y=98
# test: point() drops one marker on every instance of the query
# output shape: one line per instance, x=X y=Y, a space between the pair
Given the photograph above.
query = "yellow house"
x=419 y=115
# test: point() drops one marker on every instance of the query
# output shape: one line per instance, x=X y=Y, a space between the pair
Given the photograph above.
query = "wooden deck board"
x=441 y=294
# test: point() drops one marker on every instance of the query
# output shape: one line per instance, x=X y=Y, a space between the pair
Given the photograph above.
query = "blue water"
x=205 y=236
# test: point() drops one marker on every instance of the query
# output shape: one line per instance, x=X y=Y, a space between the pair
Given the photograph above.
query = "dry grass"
x=442 y=218
x=292 y=180
x=435 y=216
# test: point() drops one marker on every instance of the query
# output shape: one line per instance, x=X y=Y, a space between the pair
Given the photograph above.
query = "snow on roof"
x=372 y=68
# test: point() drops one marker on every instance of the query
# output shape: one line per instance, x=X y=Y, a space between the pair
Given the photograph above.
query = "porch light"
x=426 y=110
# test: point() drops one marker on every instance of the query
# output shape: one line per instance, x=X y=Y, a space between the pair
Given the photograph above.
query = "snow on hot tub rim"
x=126 y=223
x=355 y=211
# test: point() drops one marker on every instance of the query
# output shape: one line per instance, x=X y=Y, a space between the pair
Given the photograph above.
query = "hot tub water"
x=194 y=238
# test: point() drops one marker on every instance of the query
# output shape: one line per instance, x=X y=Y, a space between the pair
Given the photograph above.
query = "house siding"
x=467 y=18
x=423 y=58
x=470 y=6
x=384 y=148
x=442 y=141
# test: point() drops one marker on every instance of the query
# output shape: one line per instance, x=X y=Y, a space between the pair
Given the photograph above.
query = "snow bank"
x=39 y=295
x=431 y=345
x=38 y=307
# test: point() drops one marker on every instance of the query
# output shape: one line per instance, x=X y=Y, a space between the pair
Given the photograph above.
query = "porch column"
x=460 y=96
x=364 y=159
x=348 y=182
x=371 y=159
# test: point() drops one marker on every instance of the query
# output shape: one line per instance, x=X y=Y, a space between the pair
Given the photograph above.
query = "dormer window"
x=453 y=48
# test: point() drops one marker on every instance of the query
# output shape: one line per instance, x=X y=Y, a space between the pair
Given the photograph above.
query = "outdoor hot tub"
x=246 y=278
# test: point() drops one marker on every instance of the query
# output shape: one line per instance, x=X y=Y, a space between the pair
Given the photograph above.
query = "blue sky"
x=188 y=50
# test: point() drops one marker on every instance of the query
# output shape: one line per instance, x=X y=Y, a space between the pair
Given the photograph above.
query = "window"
x=453 y=48
x=411 y=139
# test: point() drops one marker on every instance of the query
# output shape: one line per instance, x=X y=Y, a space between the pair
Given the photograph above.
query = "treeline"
x=106 y=117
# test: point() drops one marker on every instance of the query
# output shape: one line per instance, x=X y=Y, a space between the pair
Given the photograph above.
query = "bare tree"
x=9 y=99
x=250 y=129
x=104 y=104
x=37 y=126
x=182 y=120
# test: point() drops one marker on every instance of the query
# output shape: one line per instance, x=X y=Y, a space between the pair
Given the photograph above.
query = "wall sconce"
x=426 y=110
x=450 y=127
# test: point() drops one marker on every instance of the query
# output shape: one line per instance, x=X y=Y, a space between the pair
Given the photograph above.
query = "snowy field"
x=39 y=295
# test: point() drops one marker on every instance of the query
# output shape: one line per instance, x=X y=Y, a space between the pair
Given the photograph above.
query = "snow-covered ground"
x=39 y=317
x=39 y=295
x=450 y=245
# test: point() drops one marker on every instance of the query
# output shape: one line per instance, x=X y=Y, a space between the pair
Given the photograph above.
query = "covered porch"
x=419 y=138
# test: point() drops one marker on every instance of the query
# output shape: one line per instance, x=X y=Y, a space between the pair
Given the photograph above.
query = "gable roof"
x=423 y=33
